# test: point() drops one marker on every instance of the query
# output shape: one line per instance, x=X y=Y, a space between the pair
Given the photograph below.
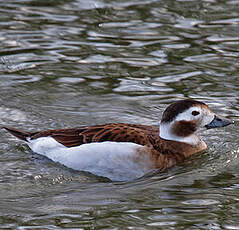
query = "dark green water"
x=68 y=63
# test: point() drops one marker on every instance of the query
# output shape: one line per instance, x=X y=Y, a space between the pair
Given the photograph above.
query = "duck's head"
x=183 y=118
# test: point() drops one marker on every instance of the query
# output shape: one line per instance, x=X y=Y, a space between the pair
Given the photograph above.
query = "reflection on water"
x=68 y=63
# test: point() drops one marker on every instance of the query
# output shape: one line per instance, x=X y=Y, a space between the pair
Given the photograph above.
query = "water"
x=69 y=63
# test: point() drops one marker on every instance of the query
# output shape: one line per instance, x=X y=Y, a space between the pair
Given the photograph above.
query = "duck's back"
x=115 y=132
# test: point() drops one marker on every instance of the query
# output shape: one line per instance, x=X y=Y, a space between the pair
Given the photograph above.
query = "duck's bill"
x=218 y=122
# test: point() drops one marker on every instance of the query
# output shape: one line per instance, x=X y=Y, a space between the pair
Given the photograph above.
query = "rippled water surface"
x=67 y=63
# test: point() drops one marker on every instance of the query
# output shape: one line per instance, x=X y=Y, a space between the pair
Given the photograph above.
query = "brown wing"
x=110 y=132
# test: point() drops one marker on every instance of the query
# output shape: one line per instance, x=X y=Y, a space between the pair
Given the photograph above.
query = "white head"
x=183 y=118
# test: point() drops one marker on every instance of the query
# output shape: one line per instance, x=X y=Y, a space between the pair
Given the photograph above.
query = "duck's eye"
x=195 y=113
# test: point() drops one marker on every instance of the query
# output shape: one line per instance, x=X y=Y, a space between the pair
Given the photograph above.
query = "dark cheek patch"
x=184 y=128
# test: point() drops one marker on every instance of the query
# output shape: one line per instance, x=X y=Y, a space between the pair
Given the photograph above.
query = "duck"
x=123 y=152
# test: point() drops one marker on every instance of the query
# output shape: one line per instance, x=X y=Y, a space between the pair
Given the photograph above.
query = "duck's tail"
x=21 y=134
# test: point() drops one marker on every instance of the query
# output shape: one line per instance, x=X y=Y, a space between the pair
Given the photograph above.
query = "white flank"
x=116 y=160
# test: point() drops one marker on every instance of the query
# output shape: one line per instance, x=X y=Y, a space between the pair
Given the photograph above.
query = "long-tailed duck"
x=127 y=151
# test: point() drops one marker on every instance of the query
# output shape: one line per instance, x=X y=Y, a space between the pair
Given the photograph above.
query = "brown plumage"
x=162 y=149
x=118 y=132
x=163 y=153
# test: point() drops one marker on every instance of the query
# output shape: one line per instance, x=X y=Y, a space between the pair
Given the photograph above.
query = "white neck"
x=165 y=133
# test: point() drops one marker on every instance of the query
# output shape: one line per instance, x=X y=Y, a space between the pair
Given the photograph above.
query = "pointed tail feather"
x=18 y=133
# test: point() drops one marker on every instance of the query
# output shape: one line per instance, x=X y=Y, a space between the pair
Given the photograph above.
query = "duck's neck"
x=165 y=132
